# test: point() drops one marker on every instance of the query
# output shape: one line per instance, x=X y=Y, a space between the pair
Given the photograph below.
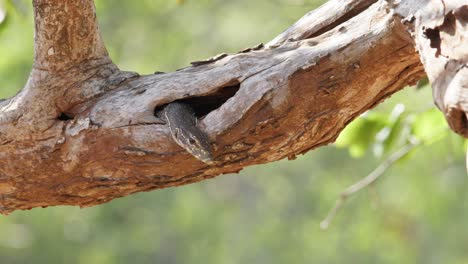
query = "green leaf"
x=429 y=126
x=422 y=83
x=17 y=6
x=4 y=19
x=3 y=13
x=361 y=133
x=394 y=133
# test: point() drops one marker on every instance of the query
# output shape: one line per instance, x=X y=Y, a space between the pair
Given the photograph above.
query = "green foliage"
x=3 y=16
x=362 y=133
x=429 y=126
x=267 y=214
x=15 y=49
x=384 y=132
x=423 y=83
x=379 y=131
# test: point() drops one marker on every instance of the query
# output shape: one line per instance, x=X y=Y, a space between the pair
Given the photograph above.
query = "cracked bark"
x=82 y=132
x=441 y=36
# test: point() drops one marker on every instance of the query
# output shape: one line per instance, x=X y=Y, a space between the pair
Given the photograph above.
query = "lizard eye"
x=192 y=141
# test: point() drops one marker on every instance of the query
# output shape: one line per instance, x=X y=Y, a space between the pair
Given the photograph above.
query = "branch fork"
x=82 y=132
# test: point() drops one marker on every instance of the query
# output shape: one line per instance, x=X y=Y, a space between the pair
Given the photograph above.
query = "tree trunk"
x=82 y=132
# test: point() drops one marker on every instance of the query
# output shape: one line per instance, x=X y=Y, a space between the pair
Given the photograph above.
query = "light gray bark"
x=82 y=132
x=440 y=30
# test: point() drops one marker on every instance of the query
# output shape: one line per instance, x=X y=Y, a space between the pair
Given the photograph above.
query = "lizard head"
x=195 y=142
x=183 y=126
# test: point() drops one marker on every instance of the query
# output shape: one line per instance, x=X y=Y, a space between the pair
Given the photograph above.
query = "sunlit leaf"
x=3 y=17
x=18 y=6
x=429 y=126
x=394 y=133
x=361 y=133
x=422 y=83
x=3 y=12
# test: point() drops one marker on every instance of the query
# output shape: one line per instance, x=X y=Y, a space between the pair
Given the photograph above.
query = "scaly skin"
x=182 y=123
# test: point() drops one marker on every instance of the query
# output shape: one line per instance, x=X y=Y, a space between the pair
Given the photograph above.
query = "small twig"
x=369 y=179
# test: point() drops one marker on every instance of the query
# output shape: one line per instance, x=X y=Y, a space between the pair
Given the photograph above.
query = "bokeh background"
x=417 y=212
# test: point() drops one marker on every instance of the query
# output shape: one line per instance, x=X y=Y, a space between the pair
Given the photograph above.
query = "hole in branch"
x=64 y=117
x=434 y=36
x=202 y=105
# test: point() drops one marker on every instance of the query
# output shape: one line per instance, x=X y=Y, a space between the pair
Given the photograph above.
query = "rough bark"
x=82 y=132
x=441 y=34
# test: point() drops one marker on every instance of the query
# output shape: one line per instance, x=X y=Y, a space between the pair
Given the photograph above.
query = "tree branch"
x=66 y=34
x=71 y=66
x=440 y=30
x=368 y=180
x=256 y=106
x=318 y=21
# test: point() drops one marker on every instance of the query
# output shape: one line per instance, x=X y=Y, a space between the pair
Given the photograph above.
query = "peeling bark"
x=441 y=34
x=82 y=132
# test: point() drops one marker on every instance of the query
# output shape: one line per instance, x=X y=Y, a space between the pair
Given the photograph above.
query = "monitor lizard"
x=182 y=123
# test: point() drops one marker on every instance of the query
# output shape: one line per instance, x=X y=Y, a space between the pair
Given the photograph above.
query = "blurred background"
x=417 y=212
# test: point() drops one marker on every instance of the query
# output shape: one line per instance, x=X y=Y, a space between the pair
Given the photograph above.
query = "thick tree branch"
x=258 y=106
x=71 y=66
x=440 y=30
x=66 y=34
x=317 y=21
